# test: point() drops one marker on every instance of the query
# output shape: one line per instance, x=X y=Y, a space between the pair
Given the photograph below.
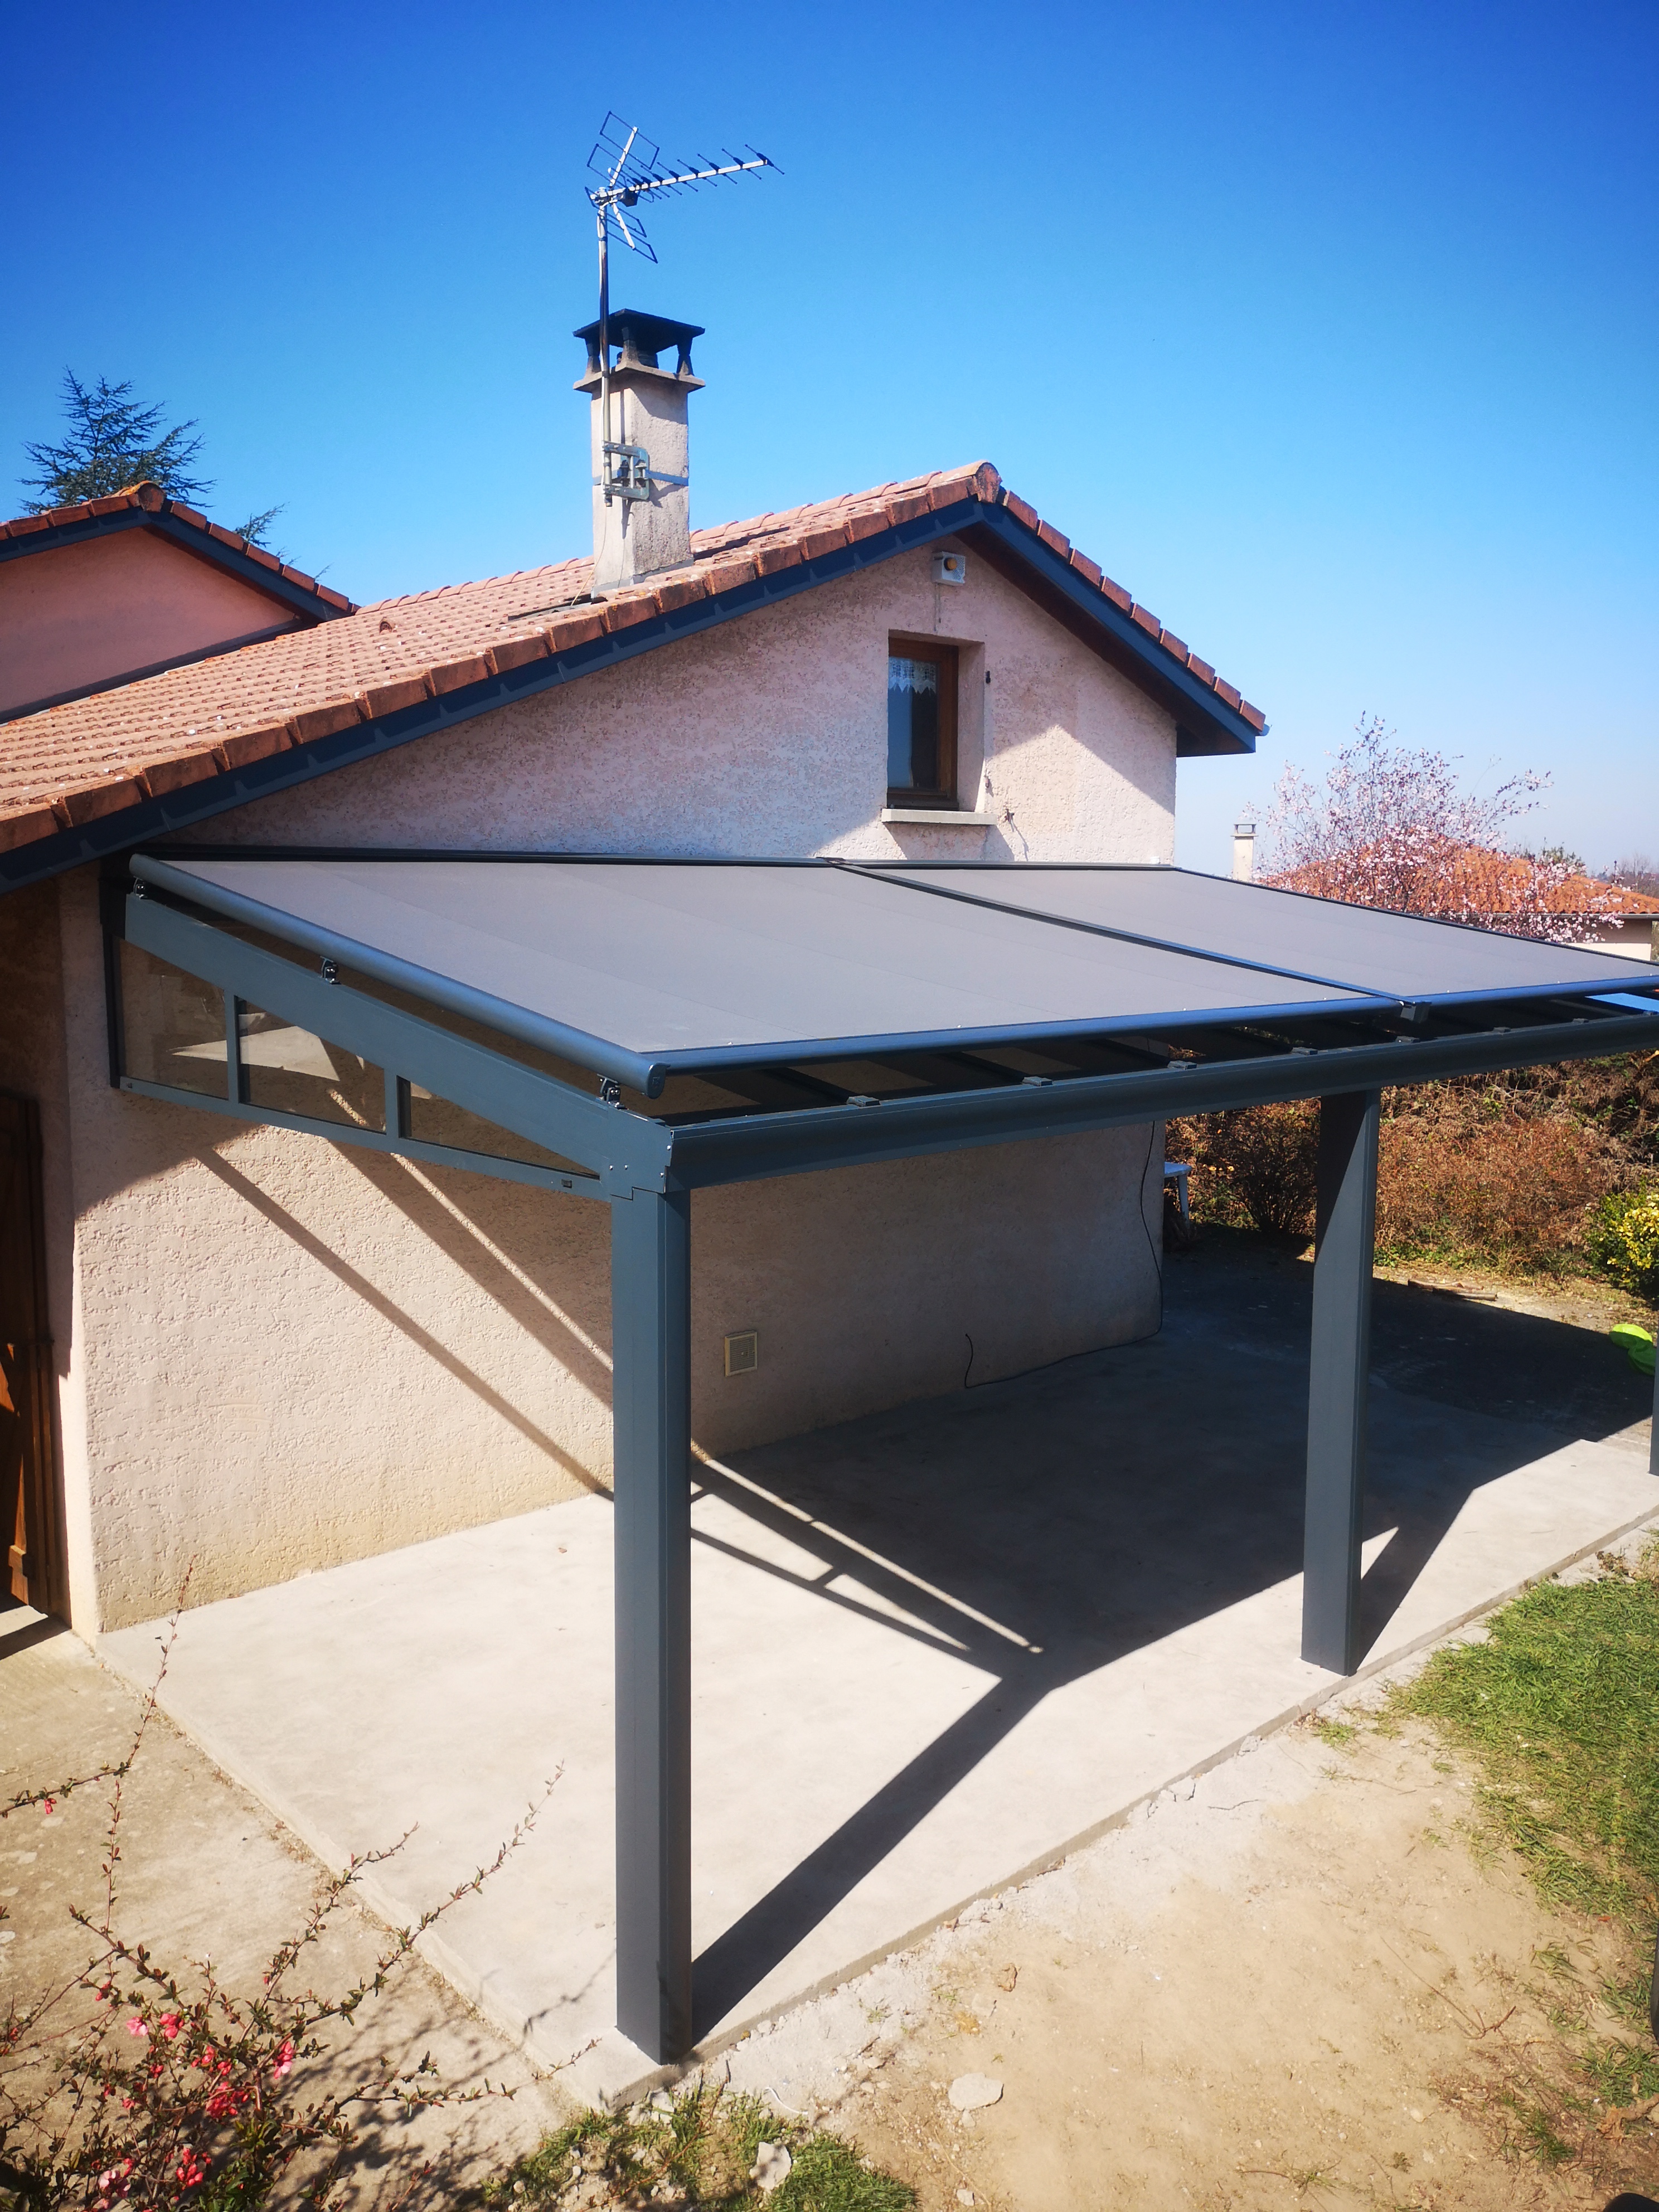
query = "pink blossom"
x=1393 y=828
x=170 y=2026
x=136 y=2026
x=284 y=2061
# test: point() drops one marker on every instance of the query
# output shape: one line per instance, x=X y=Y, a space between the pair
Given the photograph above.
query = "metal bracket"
x=632 y=476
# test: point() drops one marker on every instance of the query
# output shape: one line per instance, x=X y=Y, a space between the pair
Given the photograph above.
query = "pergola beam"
x=745 y=1148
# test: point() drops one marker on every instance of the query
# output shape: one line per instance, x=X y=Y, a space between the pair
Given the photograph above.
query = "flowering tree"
x=1393 y=828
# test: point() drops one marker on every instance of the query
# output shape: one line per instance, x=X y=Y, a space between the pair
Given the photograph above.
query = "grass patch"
x=1560 y=1708
x=697 y=2155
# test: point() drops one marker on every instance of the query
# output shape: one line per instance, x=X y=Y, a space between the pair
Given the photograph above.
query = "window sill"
x=941 y=818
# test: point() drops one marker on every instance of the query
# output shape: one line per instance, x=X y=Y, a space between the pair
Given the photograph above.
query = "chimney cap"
x=641 y=338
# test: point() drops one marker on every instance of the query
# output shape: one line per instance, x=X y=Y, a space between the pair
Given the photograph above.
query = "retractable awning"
x=630 y=1030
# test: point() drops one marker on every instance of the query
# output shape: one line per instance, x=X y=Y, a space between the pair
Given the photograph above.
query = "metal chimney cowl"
x=639 y=537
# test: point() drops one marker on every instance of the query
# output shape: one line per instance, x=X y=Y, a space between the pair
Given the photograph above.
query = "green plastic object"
x=1637 y=1345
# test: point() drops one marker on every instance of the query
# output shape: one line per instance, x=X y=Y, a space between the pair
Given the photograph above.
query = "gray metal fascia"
x=639 y=1072
x=803 y=1051
x=757 y=1146
x=1093 y=604
x=627 y=1151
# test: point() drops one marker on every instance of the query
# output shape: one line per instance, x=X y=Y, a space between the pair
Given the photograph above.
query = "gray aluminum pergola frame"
x=645 y=1167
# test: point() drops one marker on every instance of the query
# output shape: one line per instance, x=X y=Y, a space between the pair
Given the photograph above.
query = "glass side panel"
x=172 y=1025
x=289 y=1070
x=437 y=1121
x=913 y=761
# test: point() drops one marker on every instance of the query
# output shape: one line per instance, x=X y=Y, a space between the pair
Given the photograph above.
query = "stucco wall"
x=287 y=1353
x=83 y=614
x=769 y=735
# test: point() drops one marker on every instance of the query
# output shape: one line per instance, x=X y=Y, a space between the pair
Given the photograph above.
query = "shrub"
x=1621 y=1239
x=1500 y=1171
x=1471 y=1175
x=1256 y=1163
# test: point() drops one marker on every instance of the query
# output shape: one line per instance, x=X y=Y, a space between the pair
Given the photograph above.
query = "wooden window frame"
x=901 y=646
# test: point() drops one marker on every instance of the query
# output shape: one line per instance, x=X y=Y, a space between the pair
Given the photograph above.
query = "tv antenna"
x=629 y=166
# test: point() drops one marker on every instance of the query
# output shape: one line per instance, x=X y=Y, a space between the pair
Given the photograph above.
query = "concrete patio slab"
x=933 y=1650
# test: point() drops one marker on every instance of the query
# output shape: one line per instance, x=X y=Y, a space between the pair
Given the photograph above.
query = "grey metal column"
x=1339 y=1364
x=651 y=1337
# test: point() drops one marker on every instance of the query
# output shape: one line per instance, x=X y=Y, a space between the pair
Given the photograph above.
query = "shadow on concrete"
x=22 y=1628
x=1046 y=1526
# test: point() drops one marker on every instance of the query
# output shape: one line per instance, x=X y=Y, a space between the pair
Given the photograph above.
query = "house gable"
x=97 y=777
x=115 y=590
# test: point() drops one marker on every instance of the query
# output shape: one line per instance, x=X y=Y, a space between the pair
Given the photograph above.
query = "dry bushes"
x=1503 y=1173
x=1465 y=1175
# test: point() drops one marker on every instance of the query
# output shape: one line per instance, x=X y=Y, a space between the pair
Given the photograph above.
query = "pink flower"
x=48 y=1805
x=136 y=2026
x=284 y=2061
x=170 y=2026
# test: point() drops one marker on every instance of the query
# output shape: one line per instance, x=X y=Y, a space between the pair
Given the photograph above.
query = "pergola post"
x=651 y=1338
x=1339 y=1365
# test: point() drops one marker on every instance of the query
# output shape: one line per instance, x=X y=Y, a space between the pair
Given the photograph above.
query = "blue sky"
x=1328 y=330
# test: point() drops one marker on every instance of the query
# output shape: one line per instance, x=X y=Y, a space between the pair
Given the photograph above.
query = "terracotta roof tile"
x=102 y=753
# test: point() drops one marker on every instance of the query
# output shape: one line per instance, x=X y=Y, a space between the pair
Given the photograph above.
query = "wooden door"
x=28 y=1489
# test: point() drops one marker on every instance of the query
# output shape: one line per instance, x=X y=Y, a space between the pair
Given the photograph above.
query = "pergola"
x=646 y=1027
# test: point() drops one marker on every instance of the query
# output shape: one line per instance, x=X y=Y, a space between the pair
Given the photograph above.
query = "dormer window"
x=922 y=723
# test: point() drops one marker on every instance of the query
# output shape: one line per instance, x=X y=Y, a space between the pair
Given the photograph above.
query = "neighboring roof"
x=642 y=969
x=1475 y=882
x=1494 y=877
x=147 y=507
x=97 y=774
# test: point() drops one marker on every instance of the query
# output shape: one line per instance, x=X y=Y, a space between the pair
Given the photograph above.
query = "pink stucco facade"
x=275 y=1352
x=82 y=615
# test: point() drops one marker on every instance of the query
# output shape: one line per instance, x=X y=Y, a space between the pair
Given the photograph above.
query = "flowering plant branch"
x=1392 y=827
x=129 y=2088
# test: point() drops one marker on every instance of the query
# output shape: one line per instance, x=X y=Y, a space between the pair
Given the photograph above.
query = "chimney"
x=641 y=502
x=1243 y=851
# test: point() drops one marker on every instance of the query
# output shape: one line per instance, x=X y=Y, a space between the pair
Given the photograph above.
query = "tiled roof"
x=150 y=499
x=70 y=765
x=1494 y=876
x=1475 y=880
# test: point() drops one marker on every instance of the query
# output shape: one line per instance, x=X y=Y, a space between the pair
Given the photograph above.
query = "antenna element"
x=629 y=167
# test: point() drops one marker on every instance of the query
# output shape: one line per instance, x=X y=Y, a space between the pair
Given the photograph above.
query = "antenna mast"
x=628 y=167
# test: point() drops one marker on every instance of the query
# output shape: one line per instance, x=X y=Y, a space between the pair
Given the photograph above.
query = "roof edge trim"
x=193 y=534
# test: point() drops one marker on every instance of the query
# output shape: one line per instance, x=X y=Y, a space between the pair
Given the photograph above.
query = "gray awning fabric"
x=641 y=968
x=1399 y=957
